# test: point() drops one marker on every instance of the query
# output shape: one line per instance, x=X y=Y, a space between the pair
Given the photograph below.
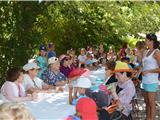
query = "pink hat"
x=87 y=109
x=76 y=72
x=62 y=57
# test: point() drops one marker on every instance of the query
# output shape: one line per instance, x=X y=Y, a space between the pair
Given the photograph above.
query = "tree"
x=76 y=24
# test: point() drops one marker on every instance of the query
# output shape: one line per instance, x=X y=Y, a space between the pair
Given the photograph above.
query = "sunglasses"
x=66 y=59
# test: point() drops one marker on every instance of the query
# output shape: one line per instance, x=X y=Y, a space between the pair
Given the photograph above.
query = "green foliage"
x=76 y=24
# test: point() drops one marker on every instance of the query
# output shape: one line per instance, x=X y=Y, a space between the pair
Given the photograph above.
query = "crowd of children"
x=113 y=98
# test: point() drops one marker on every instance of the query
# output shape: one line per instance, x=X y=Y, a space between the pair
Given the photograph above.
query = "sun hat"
x=83 y=82
x=77 y=72
x=87 y=109
x=53 y=60
x=31 y=65
x=122 y=67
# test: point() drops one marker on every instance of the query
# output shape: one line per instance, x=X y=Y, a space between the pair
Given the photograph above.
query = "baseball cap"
x=42 y=47
x=53 y=60
x=83 y=82
x=122 y=67
x=30 y=66
x=87 y=109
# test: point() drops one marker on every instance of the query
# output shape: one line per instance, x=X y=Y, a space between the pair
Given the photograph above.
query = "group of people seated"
x=112 y=99
x=113 y=96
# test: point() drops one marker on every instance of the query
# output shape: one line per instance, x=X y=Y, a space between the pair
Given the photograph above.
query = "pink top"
x=10 y=90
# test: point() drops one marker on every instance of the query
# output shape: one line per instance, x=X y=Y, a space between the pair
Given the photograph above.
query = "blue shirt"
x=74 y=102
x=51 y=54
x=42 y=63
x=51 y=78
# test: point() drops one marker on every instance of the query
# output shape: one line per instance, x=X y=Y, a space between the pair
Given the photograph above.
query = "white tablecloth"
x=53 y=106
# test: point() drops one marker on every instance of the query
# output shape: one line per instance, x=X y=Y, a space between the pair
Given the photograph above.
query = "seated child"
x=85 y=110
x=83 y=83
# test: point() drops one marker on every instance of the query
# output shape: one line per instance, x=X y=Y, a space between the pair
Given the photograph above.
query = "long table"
x=52 y=106
x=55 y=106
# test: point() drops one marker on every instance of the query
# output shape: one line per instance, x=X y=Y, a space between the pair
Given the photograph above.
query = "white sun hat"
x=83 y=82
x=53 y=60
x=31 y=65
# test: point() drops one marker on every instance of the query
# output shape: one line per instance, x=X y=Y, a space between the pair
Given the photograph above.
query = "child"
x=83 y=83
x=110 y=82
x=85 y=110
x=123 y=74
x=15 y=111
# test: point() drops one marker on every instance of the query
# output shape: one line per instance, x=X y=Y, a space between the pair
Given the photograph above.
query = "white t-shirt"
x=82 y=58
x=10 y=90
x=29 y=83
x=149 y=63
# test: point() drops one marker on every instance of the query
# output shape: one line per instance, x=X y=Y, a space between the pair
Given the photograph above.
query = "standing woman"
x=151 y=63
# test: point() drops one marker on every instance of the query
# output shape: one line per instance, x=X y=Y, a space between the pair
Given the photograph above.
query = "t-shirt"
x=74 y=102
x=11 y=89
x=29 y=83
x=51 y=54
x=82 y=58
x=42 y=63
x=65 y=70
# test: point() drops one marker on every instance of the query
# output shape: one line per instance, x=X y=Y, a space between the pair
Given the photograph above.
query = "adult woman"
x=12 y=89
x=66 y=66
x=31 y=82
x=53 y=76
x=151 y=62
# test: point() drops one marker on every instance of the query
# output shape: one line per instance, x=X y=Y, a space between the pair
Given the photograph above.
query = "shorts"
x=150 y=87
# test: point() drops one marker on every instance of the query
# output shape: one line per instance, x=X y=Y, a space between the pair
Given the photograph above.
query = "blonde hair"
x=14 y=111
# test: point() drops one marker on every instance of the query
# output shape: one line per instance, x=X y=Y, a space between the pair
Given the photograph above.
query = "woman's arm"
x=61 y=83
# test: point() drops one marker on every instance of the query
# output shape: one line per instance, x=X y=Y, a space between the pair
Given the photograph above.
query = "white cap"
x=53 y=60
x=30 y=66
x=83 y=82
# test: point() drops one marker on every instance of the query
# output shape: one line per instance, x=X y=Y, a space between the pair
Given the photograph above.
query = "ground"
x=139 y=107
